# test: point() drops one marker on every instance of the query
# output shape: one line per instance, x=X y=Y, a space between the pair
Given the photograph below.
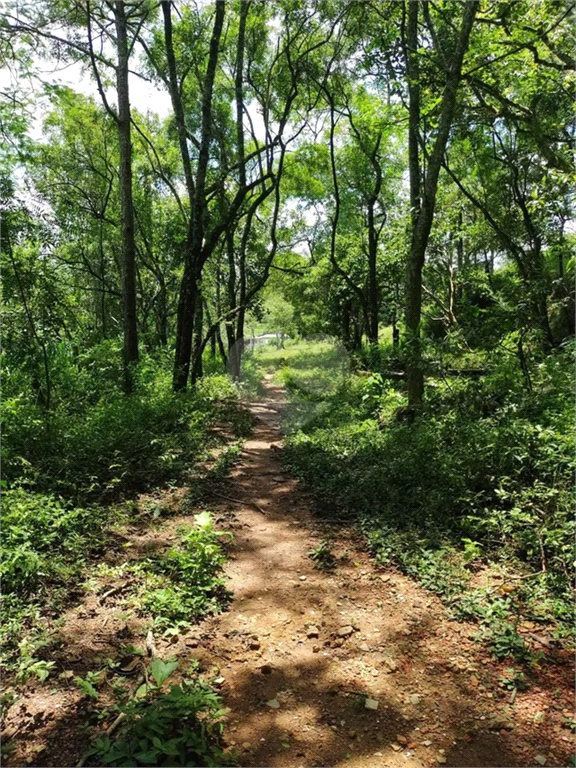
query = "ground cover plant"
x=189 y=582
x=475 y=484
x=70 y=478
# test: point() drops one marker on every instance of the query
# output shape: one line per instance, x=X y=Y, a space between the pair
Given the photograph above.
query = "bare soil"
x=355 y=666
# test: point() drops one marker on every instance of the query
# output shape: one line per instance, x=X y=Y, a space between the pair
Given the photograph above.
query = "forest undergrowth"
x=473 y=496
x=74 y=481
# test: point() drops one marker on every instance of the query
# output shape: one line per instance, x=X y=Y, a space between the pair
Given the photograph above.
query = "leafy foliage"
x=179 y=727
x=189 y=583
x=323 y=556
x=44 y=539
x=483 y=476
x=98 y=444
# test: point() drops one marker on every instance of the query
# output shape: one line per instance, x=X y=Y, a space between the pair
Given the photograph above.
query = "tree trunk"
x=126 y=202
x=195 y=257
x=414 y=275
x=423 y=210
x=198 y=368
x=221 y=348
x=184 y=327
x=372 y=278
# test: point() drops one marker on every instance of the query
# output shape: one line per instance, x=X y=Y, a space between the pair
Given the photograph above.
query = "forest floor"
x=352 y=666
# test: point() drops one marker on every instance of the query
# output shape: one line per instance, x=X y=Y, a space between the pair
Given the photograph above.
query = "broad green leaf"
x=161 y=670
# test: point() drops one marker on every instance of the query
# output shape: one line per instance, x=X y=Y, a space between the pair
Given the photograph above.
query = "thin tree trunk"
x=126 y=201
x=194 y=254
x=372 y=279
x=198 y=368
x=235 y=359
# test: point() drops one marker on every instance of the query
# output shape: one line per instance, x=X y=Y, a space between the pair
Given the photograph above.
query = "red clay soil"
x=357 y=666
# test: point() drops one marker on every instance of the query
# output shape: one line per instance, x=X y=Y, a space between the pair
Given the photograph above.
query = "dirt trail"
x=302 y=650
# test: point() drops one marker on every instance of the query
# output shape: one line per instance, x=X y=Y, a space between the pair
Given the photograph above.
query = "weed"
x=177 y=728
x=186 y=580
x=29 y=665
x=514 y=680
x=323 y=556
x=86 y=686
x=503 y=640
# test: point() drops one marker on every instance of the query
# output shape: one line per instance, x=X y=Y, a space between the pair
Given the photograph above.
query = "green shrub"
x=190 y=584
x=484 y=474
x=42 y=538
x=99 y=448
x=181 y=727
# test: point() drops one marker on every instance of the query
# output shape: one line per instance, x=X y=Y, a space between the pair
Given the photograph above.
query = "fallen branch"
x=121 y=717
x=114 y=591
x=239 y=501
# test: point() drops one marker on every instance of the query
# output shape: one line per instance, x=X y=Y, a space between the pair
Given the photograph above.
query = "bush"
x=113 y=445
x=181 y=727
x=190 y=584
x=485 y=472
x=43 y=539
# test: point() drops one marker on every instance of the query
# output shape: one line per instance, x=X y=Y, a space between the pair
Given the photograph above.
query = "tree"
x=44 y=22
x=423 y=185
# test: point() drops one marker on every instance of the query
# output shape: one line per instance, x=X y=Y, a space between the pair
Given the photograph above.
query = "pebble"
x=371 y=704
x=246 y=745
x=365 y=648
x=396 y=747
x=254 y=645
x=414 y=698
x=352 y=734
x=541 y=759
x=312 y=632
x=402 y=740
x=345 y=631
x=273 y=704
x=426 y=743
x=441 y=760
x=303 y=578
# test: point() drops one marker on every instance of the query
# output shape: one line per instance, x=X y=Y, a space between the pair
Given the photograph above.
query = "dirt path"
x=304 y=654
x=353 y=667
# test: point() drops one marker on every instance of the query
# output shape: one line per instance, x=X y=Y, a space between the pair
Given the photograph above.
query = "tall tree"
x=423 y=184
x=61 y=24
x=126 y=200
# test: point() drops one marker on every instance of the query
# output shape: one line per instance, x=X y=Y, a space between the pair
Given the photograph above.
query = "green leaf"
x=161 y=670
x=203 y=519
x=87 y=687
